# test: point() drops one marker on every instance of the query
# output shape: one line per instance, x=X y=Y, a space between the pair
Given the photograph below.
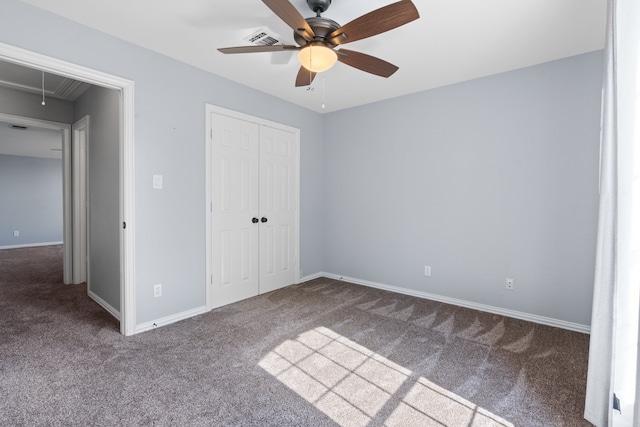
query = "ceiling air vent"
x=18 y=127
x=264 y=37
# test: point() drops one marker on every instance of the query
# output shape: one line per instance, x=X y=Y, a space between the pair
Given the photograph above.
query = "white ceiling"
x=30 y=142
x=453 y=41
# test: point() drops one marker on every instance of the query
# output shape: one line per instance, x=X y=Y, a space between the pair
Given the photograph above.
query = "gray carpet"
x=319 y=354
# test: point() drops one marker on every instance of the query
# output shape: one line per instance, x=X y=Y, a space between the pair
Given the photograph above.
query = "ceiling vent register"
x=264 y=37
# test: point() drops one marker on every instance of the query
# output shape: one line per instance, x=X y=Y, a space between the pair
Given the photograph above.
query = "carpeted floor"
x=317 y=354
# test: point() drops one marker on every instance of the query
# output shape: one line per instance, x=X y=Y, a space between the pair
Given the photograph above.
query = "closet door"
x=234 y=210
x=278 y=210
x=254 y=178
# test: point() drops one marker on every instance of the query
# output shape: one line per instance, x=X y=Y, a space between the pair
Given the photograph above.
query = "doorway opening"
x=125 y=89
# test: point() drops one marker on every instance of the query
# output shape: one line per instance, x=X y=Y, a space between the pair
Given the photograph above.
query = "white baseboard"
x=577 y=327
x=115 y=313
x=31 y=245
x=143 y=327
x=312 y=276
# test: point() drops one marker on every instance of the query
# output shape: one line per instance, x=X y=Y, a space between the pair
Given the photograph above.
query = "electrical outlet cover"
x=509 y=284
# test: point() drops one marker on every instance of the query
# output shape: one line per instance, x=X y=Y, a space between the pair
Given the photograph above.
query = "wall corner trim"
x=112 y=311
x=163 y=321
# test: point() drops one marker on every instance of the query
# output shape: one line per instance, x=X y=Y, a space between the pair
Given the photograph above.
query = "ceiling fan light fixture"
x=317 y=57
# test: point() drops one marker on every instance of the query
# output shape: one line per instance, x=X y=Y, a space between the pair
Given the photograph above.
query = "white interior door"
x=234 y=210
x=278 y=171
x=253 y=171
x=79 y=178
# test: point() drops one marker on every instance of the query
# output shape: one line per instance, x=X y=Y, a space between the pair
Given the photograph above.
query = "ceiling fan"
x=318 y=37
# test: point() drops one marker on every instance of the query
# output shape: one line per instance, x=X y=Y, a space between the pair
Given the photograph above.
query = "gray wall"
x=29 y=105
x=18 y=173
x=31 y=194
x=170 y=100
x=103 y=108
x=483 y=180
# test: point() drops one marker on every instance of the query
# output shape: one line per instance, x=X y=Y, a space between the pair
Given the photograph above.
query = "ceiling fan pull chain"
x=43 y=103
x=310 y=65
x=323 y=93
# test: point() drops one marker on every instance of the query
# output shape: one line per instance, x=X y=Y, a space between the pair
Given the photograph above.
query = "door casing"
x=80 y=185
x=125 y=87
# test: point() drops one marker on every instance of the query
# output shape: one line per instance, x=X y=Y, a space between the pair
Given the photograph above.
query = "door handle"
x=263 y=219
x=254 y=220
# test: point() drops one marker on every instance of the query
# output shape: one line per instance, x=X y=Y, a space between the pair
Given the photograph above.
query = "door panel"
x=277 y=205
x=235 y=180
x=254 y=177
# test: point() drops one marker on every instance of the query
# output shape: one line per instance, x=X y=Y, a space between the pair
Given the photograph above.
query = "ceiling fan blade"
x=367 y=63
x=380 y=20
x=304 y=77
x=290 y=15
x=251 y=49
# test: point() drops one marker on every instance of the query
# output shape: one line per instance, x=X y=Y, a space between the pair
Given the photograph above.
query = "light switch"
x=157 y=182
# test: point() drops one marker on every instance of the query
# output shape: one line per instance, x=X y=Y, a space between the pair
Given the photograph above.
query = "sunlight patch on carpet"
x=352 y=384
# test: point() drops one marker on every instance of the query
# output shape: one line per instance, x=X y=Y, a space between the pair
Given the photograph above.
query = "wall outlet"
x=509 y=284
x=427 y=270
x=16 y=233
x=157 y=290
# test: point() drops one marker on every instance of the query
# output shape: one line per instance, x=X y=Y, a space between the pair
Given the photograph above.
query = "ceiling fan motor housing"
x=322 y=27
x=319 y=6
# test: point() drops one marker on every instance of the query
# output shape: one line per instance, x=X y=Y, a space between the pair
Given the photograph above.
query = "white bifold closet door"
x=254 y=209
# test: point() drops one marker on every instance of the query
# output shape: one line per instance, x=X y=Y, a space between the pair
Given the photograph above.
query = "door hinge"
x=124 y=224
x=616 y=403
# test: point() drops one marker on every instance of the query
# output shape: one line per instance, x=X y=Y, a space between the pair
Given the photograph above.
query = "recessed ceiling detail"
x=25 y=79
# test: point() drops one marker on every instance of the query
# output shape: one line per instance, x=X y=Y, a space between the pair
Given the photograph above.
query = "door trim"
x=80 y=180
x=127 y=208
x=209 y=109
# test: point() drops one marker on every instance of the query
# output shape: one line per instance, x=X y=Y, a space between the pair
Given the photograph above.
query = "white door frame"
x=209 y=109
x=126 y=88
x=80 y=186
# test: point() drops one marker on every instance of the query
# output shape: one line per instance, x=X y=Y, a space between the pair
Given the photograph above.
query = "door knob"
x=263 y=219
x=254 y=220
